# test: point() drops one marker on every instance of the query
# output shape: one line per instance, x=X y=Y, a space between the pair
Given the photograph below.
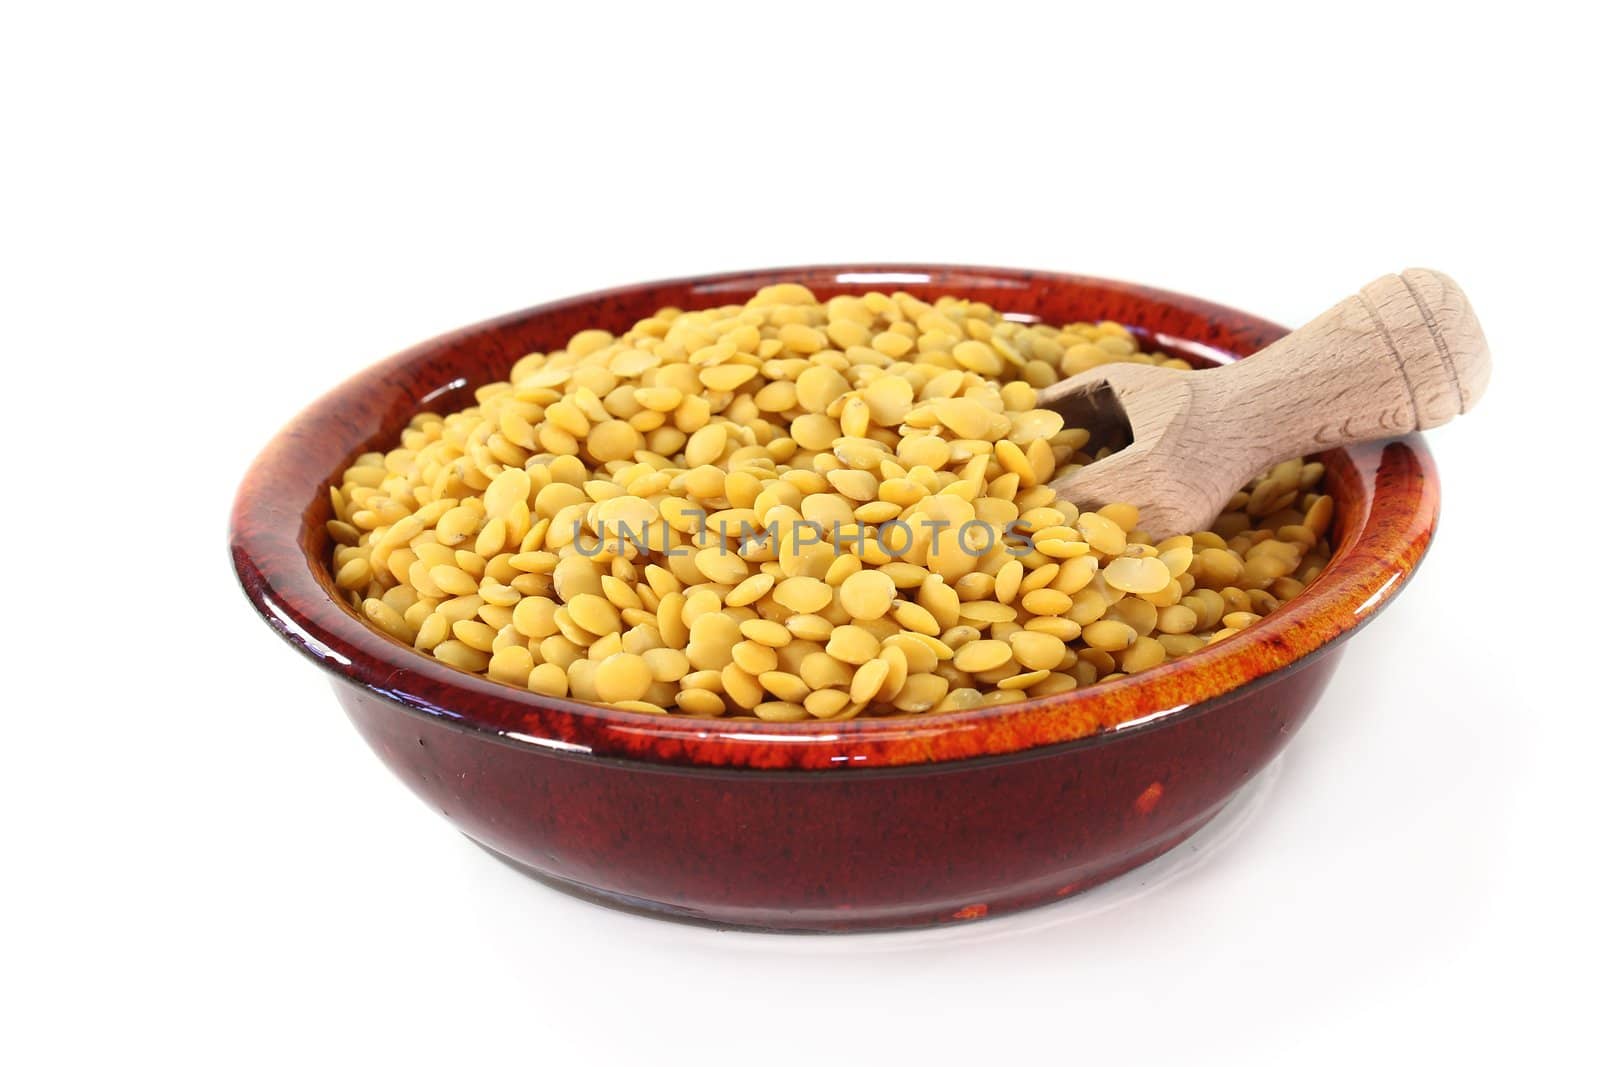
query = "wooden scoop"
x=1406 y=353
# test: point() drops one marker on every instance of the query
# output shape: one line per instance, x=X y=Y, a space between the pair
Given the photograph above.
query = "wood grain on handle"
x=1405 y=353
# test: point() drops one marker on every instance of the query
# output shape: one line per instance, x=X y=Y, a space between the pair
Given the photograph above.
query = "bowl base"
x=844 y=920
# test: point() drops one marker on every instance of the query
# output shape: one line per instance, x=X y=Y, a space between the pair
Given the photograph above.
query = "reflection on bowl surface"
x=817 y=825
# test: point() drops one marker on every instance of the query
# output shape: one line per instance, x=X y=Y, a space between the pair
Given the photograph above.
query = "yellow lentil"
x=981 y=655
x=720 y=565
x=766 y=632
x=922 y=692
x=1137 y=575
x=749 y=591
x=1038 y=651
x=594 y=613
x=623 y=676
x=868 y=680
x=826 y=703
x=1142 y=654
x=1109 y=635
x=852 y=644
x=867 y=594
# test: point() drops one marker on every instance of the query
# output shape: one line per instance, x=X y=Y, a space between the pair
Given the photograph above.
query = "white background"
x=211 y=215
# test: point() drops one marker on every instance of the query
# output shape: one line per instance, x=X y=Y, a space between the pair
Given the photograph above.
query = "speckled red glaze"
x=819 y=826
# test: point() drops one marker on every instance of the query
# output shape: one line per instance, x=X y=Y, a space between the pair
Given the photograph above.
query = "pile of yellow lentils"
x=793 y=509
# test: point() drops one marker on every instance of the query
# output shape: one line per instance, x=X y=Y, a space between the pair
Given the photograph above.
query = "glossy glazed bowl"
x=821 y=826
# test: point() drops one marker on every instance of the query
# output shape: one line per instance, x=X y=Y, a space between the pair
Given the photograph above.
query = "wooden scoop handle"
x=1405 y=353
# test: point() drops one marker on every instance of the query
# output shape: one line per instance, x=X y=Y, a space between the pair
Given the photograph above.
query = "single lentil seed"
x=982 y=655
x=852 y=644
x=867 y=594
x=766 y=632
x=1132 y=575
x=1109 y=635
x=623 y=676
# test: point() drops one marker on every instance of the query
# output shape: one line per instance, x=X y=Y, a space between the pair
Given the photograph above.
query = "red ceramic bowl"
x=821 y=826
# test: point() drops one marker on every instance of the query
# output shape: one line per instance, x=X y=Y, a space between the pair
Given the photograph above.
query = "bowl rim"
x=1393 y=484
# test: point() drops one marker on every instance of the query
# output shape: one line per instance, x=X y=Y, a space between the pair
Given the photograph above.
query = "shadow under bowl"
x=872 y=823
